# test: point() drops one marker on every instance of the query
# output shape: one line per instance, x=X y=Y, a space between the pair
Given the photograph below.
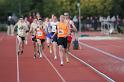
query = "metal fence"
x=106 y=27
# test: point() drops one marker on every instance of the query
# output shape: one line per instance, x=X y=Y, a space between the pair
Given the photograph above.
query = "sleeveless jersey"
x=62 y=29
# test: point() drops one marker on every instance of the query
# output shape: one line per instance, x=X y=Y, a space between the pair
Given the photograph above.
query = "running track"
x=105 y=56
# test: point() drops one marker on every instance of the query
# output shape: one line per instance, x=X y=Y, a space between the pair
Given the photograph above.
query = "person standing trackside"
x=62 y=33
x=10 y=28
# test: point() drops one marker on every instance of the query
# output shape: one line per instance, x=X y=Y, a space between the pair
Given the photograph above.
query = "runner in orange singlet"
x=62 y=33
x=40 y=36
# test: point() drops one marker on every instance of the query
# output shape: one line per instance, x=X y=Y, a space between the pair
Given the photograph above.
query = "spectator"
x=95 y=23
x=30 y=19
x=76 y=22
x=10 y=28
x=113 y=20
x=88 y=23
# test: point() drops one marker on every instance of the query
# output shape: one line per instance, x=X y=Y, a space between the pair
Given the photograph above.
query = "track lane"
x=7 y=60
x=111 y=46
x=32 y=71
x=105 y=64
x=74 y=71
x=38 y=70
x=29 y=70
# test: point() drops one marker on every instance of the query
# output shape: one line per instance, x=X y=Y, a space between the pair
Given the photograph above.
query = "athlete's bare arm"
x=31 y=29
x=74 y=27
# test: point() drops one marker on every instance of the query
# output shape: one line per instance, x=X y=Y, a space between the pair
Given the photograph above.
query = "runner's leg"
x=39 y=47
x=23 y=41
x=54 y=49
x=26 y=38
x=19 y=44
x=49 y=44
x=34 y=45
x=61 y=54
x=35 y=50
x=66 y=54
x=66 y=46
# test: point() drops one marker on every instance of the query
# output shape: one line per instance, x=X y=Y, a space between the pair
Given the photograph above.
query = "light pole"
x=79 y=11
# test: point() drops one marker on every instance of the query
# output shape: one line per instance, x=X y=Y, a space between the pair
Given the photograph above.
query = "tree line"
x=57 y=7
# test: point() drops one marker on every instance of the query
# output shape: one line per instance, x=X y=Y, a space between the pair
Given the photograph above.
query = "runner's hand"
x=52 y=37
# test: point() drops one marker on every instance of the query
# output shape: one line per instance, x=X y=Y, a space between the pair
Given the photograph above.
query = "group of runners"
x=57 y=34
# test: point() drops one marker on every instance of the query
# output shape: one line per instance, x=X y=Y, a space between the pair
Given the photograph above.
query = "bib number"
x=61 y=31
x=39 y=33
x=53 y=28
x=21 y=32
x=49 y=29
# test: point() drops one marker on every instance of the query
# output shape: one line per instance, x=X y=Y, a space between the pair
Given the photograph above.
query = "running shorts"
x=62 y=41
x=34 y=38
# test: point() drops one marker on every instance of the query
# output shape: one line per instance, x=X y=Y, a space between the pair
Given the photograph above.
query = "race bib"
x=60 y=31
x=53 y=28
x=21 y=32
x=49 y=29
x=39 y=33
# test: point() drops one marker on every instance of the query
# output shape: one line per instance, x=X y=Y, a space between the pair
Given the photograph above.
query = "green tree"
x=118 y=8
x=57 y=7
x=96 y=7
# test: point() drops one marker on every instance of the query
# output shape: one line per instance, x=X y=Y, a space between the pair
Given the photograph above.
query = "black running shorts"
x=62 y=41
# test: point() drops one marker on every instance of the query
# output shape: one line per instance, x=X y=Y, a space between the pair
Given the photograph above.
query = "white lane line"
x=94 y=69
x=54 y=68
x=101 y=51
x=17 y=61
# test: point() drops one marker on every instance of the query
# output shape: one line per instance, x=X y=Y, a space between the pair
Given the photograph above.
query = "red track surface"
x=42 y=71
x=108 y=65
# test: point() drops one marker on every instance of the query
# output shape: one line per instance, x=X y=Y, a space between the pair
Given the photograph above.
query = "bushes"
x=3 y=27
x=120 y=29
